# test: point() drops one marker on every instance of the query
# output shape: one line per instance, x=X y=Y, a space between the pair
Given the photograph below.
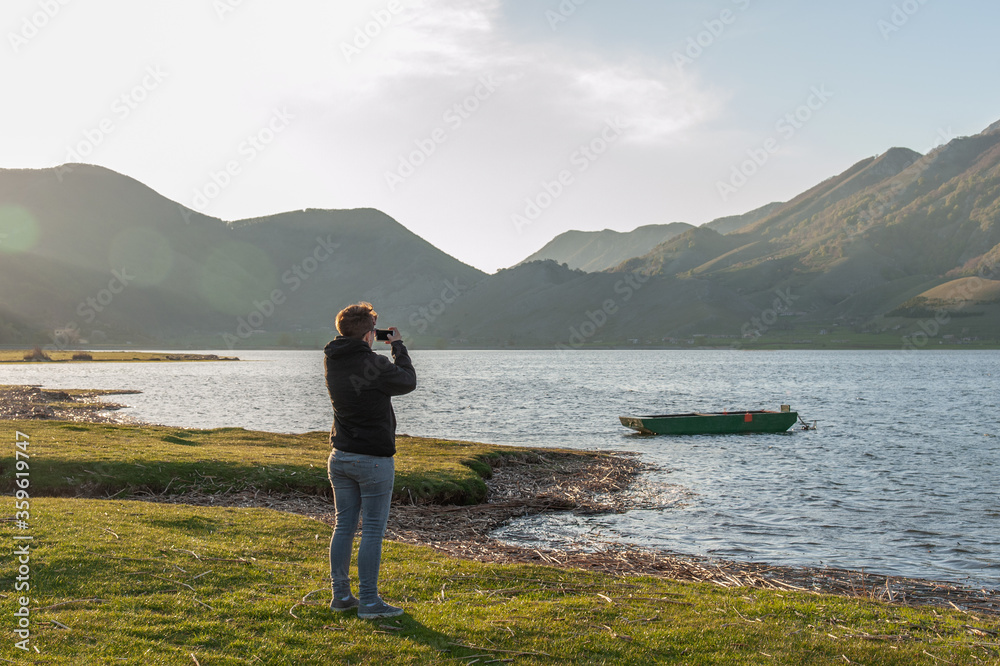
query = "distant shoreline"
x=183 y=353
x=41 y=356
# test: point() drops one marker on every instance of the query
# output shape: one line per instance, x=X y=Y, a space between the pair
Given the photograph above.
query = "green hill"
x=599 y=250
x=725 y=225
x=545 y=304
x=844 y=255
x=870 y=250
x=595 y=251
x=96 y=255
x=861 y=243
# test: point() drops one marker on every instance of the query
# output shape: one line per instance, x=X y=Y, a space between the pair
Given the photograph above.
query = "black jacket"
x=361 y=384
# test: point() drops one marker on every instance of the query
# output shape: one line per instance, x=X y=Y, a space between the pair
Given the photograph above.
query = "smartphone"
x=382 y=334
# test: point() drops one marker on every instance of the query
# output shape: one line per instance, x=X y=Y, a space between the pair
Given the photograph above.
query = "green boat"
x=712 y=423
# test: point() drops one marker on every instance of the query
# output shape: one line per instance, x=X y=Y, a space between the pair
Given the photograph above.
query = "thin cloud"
x=443 y=43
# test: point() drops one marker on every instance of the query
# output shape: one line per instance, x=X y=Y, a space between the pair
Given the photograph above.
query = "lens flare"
x=235 y=275
x=144 y=253
x=19 y=230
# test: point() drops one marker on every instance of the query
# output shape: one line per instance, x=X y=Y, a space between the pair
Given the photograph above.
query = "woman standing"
x=361 y=467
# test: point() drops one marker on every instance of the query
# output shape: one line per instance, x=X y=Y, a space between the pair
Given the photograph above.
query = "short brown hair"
x=355 y=321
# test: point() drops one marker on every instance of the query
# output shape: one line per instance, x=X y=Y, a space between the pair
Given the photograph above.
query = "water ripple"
x=900 y=477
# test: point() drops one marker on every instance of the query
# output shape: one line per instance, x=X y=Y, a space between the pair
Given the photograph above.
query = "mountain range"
x=593 y=251
x=94 y=254
x=902 y=244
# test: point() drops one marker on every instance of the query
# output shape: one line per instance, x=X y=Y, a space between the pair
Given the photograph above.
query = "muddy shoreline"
x=83 y=406
x=532 y=484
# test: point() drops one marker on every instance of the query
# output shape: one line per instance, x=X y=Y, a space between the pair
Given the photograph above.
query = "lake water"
x=900 y=478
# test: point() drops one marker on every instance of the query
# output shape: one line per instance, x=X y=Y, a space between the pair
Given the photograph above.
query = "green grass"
x=74 y=459
x=140 y=583
x=116 y=581
x=17 y=356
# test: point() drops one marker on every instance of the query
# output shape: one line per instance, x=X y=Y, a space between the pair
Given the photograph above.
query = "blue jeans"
x=362 y=487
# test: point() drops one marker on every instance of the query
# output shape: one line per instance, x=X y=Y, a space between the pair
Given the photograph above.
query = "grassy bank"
x=30 y=356
x=119 y=581
x=140 y=583
x=84 y=459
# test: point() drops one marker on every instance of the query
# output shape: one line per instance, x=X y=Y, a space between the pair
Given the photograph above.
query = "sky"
x=488 y=127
